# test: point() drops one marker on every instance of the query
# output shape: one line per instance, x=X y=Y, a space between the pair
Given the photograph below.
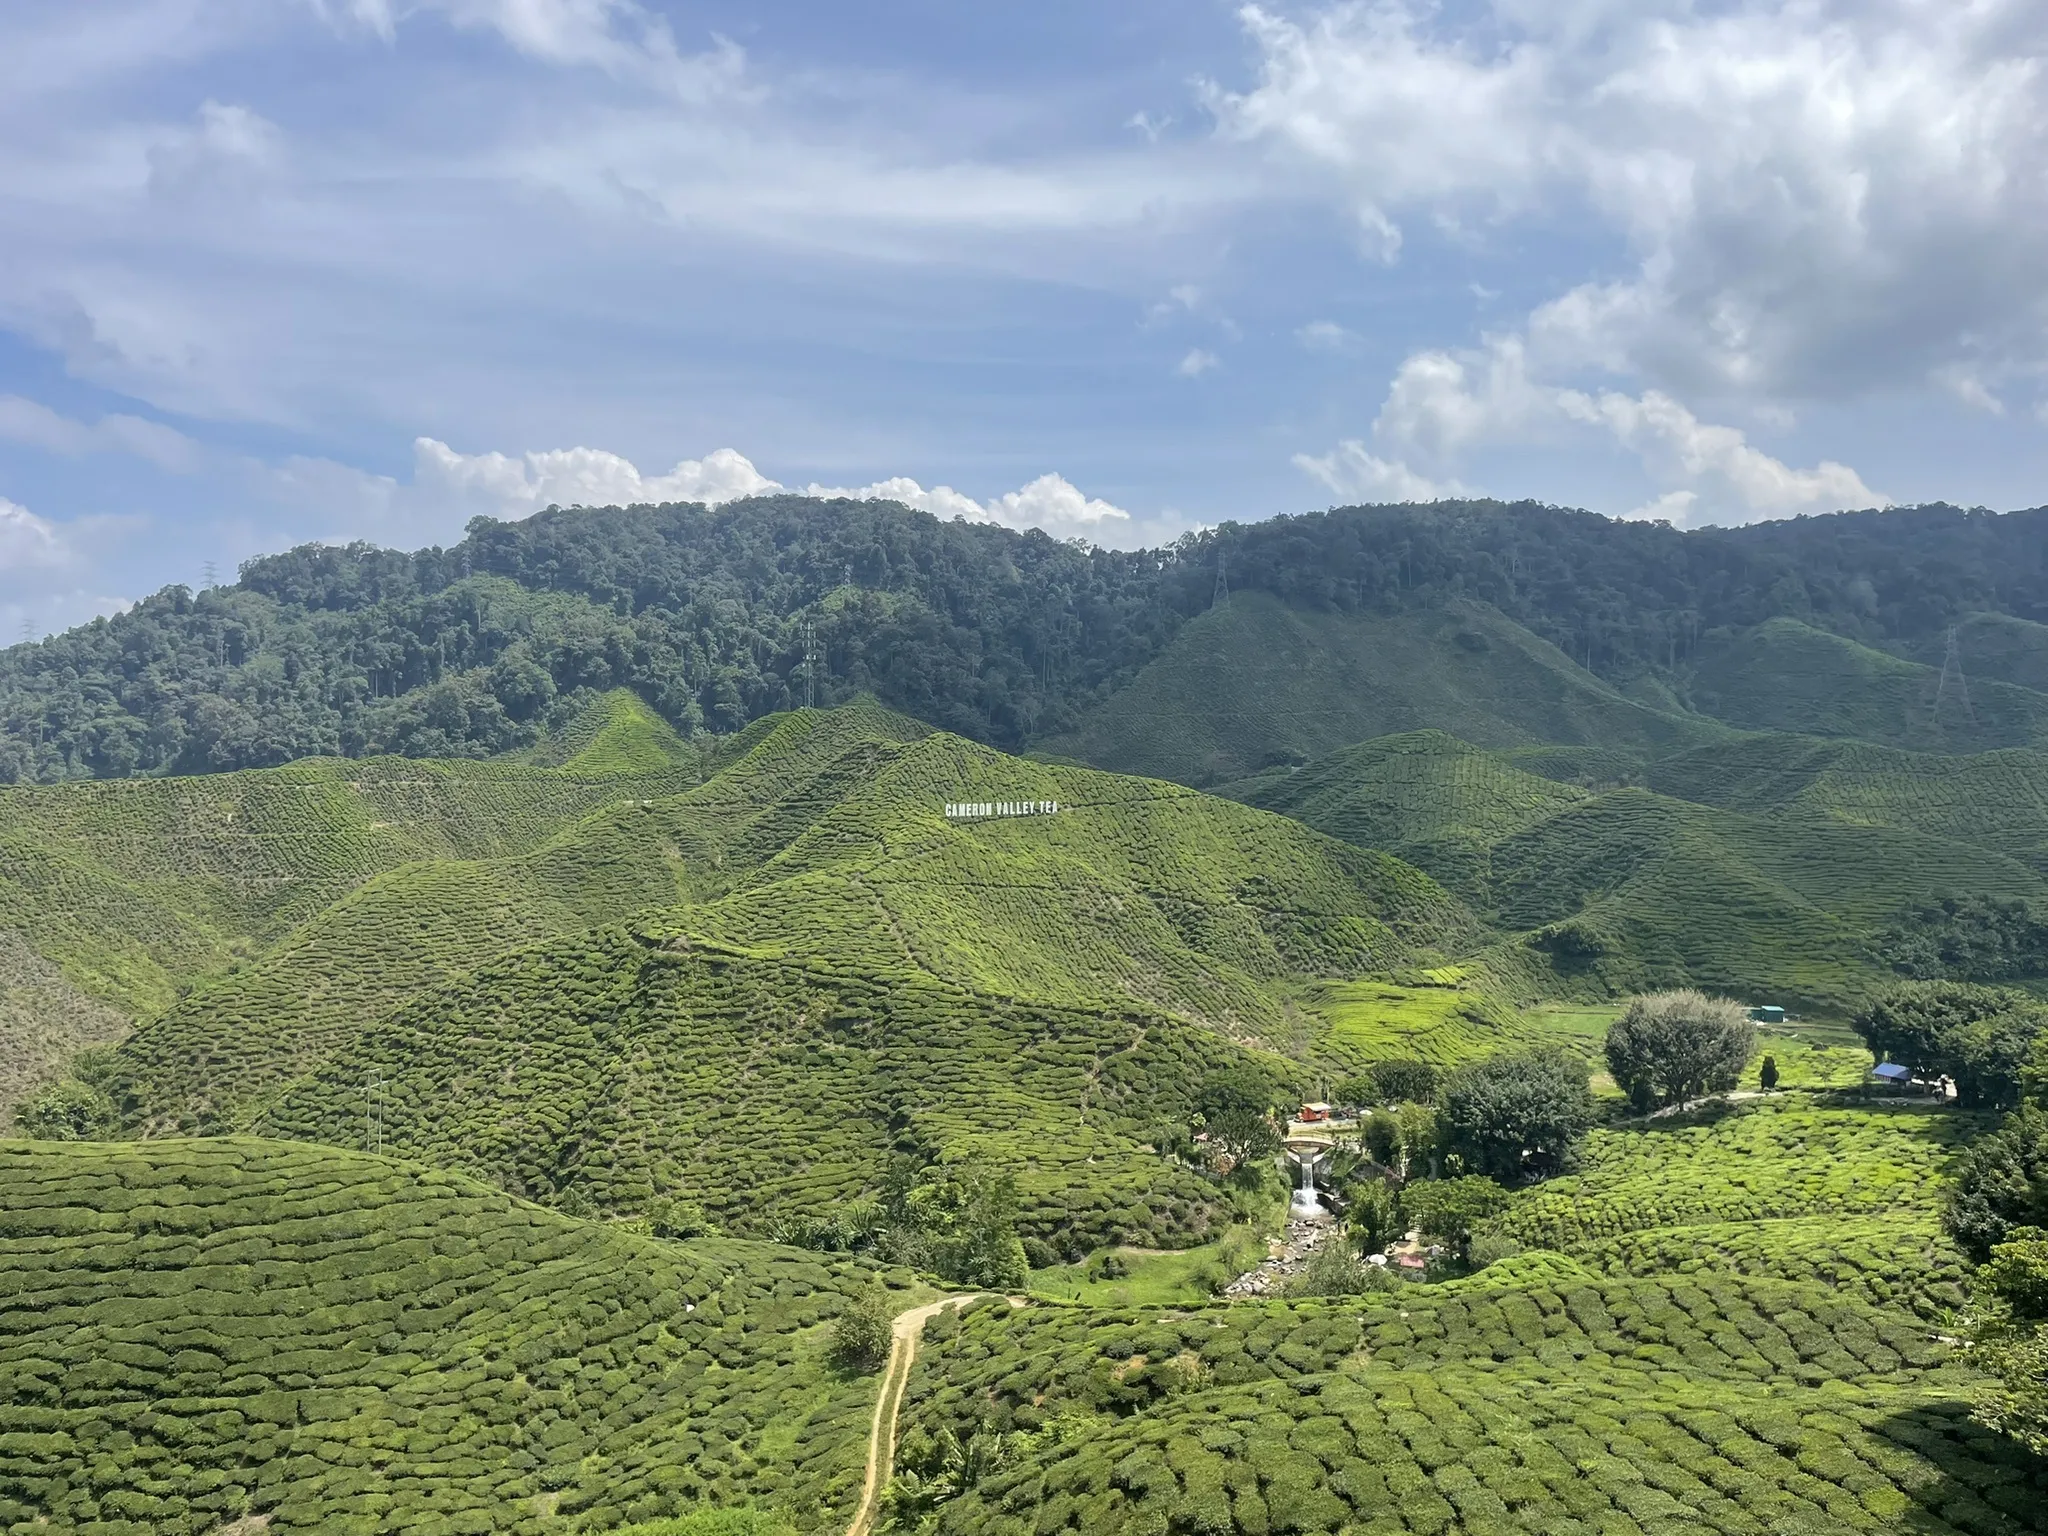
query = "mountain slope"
x=1256 y=682
x=1788 y=676
x=1774 y=876
x=201 y=1333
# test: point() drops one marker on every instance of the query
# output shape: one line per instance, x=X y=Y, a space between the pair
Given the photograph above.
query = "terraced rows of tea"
x=1729 y=1326
x=194 y=1332
x=631 y=1062
x=821 y=841
x=1763 y=866
x=1579 y=1405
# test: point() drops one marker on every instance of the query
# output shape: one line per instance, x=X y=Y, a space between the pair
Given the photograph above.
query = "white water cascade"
x=1306 y=1201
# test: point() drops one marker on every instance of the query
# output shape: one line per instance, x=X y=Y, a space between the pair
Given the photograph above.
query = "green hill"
x=1787 y=676
x=1255 y=683
x=1992 y=647
x=615 y=733
x=239 y=1335
x=1772 y=875
x=1720 y=1327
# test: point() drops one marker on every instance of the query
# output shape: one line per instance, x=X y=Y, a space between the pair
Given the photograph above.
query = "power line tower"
x=810 y=665
x=373 y=1111
x=1221 y=597
x=28 y=630
x=1952 y=680
x=211 y=574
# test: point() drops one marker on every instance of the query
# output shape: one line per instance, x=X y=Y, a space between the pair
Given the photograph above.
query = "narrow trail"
x=904 y=1335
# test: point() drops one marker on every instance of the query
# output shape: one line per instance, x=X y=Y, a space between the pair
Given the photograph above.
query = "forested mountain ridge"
x=717 y=616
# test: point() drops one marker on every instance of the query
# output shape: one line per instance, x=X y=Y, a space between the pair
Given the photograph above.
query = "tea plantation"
x=196 y=1331
x=1765 y=865
x=1731 y=1325
x=821 y=841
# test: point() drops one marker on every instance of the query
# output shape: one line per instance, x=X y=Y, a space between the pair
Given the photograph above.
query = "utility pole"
x=1952 y=679
x=373 y=1111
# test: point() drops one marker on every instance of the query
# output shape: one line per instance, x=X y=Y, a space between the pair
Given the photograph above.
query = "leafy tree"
x=68 y=1111
x=861 y=1334
x=1967 y=938
x=1767 y=1074
x=967 y=1213
x=1373 y=1213
x=2001 y=1183
x=1334 y=1270
x=1392 y=1082
x=1980 y=1036
x=2011 y=1336
x=1669 y=1047
x=1448 y=1209
x=672 y=1218
x=1519 y=1115
x=1236 y=1106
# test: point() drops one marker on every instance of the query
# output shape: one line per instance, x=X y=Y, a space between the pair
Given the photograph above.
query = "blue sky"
x=277 y=270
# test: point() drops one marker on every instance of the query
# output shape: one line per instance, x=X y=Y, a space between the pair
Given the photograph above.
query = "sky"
x=282 y=270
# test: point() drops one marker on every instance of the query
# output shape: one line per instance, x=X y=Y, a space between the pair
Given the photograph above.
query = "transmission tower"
x=810 y=665
x=1952 y=680
x=211 y=577
x=28 y=630
x=373 y=1111
x=1221 y=597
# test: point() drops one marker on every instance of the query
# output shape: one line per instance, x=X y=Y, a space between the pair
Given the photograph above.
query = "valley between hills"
x=492 y=1040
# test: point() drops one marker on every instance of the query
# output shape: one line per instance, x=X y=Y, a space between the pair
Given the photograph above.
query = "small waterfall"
x=1306 y=1201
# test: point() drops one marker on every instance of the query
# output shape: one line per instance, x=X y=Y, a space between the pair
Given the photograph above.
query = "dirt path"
x=904 y=1334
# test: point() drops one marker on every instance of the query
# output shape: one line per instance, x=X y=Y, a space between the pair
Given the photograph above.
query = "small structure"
x=1891 y=1072
x=1767 y=1013
x=1314 y=1114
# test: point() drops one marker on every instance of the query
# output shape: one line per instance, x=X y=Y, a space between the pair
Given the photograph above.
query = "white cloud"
x=1442 y=406
x=1818 y=196
x=1673 y=441
x=31 y=422
x=1325 y=336
x=1197 y=362
x=1959 y=381
x=587 y=477
x=510 y=487
x=28 y=543
x=1353 y=472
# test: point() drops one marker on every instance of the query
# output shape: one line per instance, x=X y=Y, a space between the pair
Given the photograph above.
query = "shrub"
x=861 y=1333
x=715 y=1522
x=1448 y=1209
x=2012 y=1337
x=1373 y=1214
x=1334 y=1270
x=2001 y=1183
x=1980 y=1036
x=1524 y=1114
x=1668 y=1047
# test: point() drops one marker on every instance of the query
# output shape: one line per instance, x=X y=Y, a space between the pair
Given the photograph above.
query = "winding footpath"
x=904 y=1335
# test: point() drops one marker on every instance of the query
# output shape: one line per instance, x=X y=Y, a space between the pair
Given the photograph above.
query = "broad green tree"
x=1520 y=1115
x=1669 y=1047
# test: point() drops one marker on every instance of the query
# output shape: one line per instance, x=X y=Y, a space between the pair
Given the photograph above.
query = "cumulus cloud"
x=1197 y=362
x=517 y=487
x=1051 y=502
x=31 y=422
x=1444 y=405
x=1325 y=336
x=28 y=543
x=587 y=477
x=1818 y=196
x=1354 y=473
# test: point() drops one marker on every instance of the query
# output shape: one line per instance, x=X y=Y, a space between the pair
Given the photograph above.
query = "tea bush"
x=194 y=1331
